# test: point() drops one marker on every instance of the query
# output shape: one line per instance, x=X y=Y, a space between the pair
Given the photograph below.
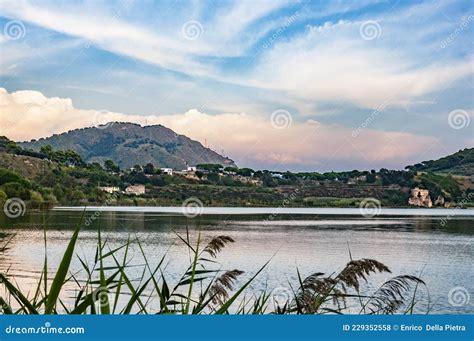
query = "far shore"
x=367 y=213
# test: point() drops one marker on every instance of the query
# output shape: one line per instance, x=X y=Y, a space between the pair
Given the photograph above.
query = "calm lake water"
x=438 y=249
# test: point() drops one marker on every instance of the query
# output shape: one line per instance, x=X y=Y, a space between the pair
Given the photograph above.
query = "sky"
x=282 y=85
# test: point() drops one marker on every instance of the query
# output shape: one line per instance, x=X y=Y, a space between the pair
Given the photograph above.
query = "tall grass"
x=106 y=286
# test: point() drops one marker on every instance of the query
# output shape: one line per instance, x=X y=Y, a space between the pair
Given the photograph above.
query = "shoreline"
x=408 y=212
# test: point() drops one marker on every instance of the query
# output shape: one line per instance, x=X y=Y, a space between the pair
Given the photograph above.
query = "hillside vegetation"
x=48 y=177
x=26 y=166
x=128 y=144
x=460 y=163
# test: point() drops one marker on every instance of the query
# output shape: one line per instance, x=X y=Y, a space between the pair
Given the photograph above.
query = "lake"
x=437 y=246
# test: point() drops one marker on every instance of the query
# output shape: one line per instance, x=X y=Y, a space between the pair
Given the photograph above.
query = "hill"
x=459 y=163
x=128 y=144
x=26 y=166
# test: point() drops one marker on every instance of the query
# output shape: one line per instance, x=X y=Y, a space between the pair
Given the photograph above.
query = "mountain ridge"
x=128 y=144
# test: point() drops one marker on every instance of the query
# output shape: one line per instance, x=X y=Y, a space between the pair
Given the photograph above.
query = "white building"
x=109 y=189
x=135 y=189
x=168 y=171
x=277 y=175
x=191 y=169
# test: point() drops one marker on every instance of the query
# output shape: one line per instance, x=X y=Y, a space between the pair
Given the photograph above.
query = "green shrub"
x=16 y=190
x=3 y=197
x=9 y=176
x=36 y=198
x=51 y=199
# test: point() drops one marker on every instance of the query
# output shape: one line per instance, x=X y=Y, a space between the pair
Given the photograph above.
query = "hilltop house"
x=135 y=189
x=277 y=175
x=168 y=171
x=356 y=179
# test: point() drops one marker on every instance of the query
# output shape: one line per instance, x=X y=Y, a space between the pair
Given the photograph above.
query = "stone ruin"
x=420 y=197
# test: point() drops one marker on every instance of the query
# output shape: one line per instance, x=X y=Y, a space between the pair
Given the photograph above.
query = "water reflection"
x=441 y=251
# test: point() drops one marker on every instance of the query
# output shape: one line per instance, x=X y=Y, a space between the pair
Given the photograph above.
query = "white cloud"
x=326 y=63
x=164 y=46
x=334 y=63
x=247 y=139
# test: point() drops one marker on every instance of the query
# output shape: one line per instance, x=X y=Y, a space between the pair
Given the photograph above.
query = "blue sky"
x=361 y=84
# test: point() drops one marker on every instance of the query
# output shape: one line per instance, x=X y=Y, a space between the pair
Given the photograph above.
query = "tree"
x=228 y=181
x=16 y=190
x=158 y=181
x=245 y=171
x=213 y=177
x=231 y=169
x=76 y=196
x=149 y=169
x=370 y=178
x=50 y=199
x=289 y=176
x=47 y=150
x=95 y=166
x=268 y=180
x=8 y=146
x=97 y=195
x=137 y=178
x=210 y=167
x=110 y=166
x=58 y=191
x=72 y=158
x=137 y=168
x=36 y=199
x=9 y=176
